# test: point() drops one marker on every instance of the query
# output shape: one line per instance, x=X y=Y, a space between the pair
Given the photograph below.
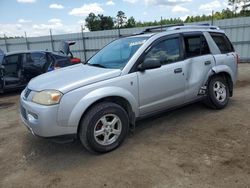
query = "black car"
x=18 y=68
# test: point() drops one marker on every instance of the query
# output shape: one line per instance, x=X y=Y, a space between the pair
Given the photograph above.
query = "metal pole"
x=84 y=45
x=26 y=39
x=161 y=23
x=119 y=32
x=6 y=44
x=212 y=21
x=51 y=40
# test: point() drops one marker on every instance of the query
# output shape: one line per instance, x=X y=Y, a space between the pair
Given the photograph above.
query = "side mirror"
x=151 y=63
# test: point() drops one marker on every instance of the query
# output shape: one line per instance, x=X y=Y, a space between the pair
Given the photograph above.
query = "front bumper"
x=42 y=120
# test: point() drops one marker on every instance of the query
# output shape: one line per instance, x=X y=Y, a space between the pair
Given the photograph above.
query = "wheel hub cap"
x=220 y=91
x=107 y=129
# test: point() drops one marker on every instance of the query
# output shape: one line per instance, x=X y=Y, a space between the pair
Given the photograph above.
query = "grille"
x=27 y=92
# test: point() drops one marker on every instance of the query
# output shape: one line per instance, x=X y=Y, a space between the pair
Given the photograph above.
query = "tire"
x=218 y=93
x=104 y=127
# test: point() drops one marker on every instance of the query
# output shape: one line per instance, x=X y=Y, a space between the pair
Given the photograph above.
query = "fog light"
x=32 y=117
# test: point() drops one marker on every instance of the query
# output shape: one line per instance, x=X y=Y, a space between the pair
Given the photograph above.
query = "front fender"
x=96 y=95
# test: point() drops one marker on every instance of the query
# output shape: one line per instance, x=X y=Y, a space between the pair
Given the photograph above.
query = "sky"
x=37 y=17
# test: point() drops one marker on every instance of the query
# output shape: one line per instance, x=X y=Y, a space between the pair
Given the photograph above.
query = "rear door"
x=228 y=56
x=33 y=64
x=163 y=87
x=12 y=70
x=199 y=61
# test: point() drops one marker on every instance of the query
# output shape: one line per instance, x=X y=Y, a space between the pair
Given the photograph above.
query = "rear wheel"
x=218 y=93
x=104 y=127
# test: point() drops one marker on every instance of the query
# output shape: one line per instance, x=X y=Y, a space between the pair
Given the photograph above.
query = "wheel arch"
x=124 y=103
x=226 y=75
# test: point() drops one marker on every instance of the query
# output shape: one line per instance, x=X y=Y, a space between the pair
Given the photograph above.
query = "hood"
x=72 y=77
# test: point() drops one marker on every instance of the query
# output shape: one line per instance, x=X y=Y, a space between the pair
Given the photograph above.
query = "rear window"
x=222 y=42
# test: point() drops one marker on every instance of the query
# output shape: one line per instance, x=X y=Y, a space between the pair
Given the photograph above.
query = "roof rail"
x=159 y=28
x=199 y=26
x=178 y=27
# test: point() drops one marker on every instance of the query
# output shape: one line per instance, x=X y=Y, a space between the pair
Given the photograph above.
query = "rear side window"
x=196 y=45
x=222 y=42
x=36 y=58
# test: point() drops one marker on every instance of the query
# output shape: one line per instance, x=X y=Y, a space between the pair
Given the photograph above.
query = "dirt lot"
x=190 y=147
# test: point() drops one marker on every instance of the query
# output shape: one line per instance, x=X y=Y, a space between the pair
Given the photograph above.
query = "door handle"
x=207 y=63
x=179 y=70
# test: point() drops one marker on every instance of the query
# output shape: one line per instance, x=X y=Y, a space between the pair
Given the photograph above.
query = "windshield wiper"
x=96 y=65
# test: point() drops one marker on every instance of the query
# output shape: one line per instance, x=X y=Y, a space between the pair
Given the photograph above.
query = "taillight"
x=75 y=60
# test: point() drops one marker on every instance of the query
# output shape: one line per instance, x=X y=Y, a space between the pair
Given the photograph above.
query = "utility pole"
x=212 y=21
x=161 y=23
x=51 y=40
x=6 y=44
x=84 y=45
x=26 y=39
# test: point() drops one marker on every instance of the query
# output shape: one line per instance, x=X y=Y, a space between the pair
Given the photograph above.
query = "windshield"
x=117 y=54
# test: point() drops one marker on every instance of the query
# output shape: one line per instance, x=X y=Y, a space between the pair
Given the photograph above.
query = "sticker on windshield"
x=137 y=43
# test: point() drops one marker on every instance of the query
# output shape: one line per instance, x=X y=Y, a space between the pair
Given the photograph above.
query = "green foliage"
x=131 y=22
x=120 y=19
x=100 y=22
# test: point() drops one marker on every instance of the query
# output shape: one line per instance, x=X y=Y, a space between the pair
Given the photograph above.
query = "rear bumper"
x=42 y=120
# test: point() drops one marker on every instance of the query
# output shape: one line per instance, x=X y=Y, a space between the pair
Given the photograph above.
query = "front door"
x=163 y=87
x=12 y=70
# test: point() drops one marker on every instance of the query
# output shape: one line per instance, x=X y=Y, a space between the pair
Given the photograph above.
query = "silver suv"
x=129 y=79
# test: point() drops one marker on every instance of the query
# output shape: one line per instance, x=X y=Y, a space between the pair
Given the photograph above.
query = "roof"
x=26 y=51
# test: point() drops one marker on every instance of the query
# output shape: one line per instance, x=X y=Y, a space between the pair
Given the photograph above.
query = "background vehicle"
x=18 y=68
x=65 y=49
x=129 y=79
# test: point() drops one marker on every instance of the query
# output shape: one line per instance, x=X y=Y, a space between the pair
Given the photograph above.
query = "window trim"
x=193 y=34
x=157 y=41
x=225 y=37
x=7 y=56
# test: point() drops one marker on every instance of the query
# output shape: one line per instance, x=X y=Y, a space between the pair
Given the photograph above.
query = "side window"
x=196 y=45
x=167 y=51
x=36 y=58
x=222 y=42
x=13 y=59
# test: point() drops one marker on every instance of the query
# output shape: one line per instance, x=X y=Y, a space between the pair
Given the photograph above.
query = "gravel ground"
x=190 y=147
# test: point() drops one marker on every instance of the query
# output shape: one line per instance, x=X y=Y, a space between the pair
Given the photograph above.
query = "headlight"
x=47 y=97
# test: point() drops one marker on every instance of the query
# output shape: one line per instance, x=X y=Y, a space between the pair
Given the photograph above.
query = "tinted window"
x=196 y=45
x=223 y=43
x=36 y=58
x=166 y=51
x=13 y=59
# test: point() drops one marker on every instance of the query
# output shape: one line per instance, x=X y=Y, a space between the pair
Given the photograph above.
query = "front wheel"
x=104 y=127
x=218 y=93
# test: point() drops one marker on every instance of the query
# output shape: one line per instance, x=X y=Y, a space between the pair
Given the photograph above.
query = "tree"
x=106 y=22
x=237 y=4
x=131 y=22
x=92 y=22
x=120 y=19
x=100 y=22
